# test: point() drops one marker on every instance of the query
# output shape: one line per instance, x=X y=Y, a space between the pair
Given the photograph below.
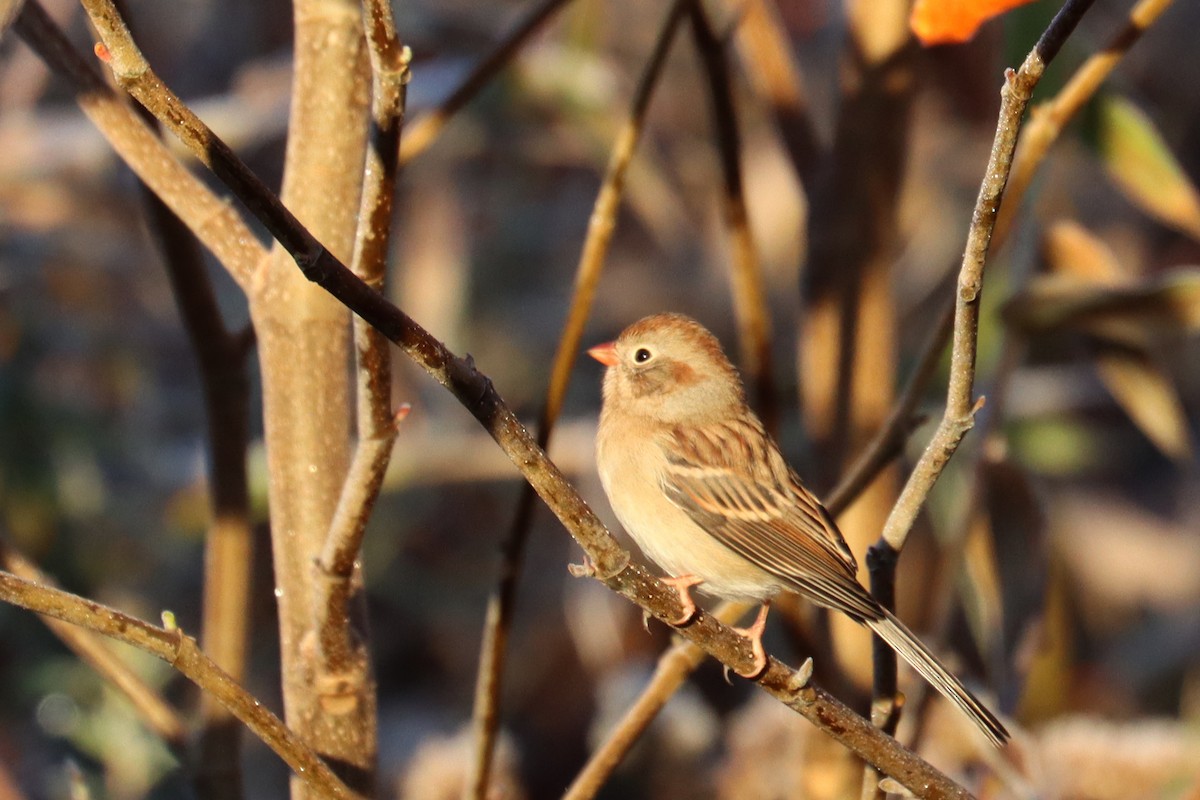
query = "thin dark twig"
x=229 y=544
x=486 y=716
x=425 y=128
x=749 y=296
x=890 y=437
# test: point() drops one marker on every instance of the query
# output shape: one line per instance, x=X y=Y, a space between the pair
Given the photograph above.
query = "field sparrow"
x=704 y=491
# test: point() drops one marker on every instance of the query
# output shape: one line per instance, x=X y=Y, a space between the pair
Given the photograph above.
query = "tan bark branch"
x=960 y=402
x=336 y=581
x=749 y=296
x=209 y=217
x=426 y=128
x=498 y=617
x=154 y=711
x=181 y=652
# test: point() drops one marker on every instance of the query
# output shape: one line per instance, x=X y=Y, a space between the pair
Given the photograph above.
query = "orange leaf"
x=954 y=21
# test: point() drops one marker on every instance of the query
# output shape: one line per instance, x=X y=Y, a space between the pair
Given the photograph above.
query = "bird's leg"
x=682 y=585
x=754 y=633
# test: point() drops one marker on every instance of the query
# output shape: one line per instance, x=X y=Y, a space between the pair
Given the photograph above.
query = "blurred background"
x=1060 y=553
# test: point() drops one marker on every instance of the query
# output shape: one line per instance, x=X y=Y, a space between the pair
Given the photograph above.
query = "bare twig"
x=767 y=54
x=960 y=403
x=155 y=712
x=674 y=667
x=209 y=217
x=1047 y=120
x=749 y=297
x=338 y=577
x=485 y=716
x=229 y=545
x=425 y=128
x=890 y=438
x=181 y=652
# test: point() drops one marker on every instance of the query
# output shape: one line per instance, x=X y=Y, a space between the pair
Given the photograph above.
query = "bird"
x=702 y=488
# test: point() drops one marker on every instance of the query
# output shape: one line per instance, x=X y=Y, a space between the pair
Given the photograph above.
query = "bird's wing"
x=732 y=481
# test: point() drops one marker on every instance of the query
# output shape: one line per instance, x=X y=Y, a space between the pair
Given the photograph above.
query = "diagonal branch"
x=181 y=652
x=426 y=128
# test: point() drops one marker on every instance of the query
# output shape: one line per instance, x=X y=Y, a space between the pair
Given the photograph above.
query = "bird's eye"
x=642 y=355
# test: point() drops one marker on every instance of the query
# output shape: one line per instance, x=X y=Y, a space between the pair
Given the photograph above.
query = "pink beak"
x=605 y=353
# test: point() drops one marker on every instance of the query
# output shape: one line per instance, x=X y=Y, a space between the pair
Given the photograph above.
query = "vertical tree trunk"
x=304 y=349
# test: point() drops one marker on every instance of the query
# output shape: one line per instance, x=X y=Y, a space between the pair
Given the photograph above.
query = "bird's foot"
x=682 y=586
x=754 y=633
x=585 y=570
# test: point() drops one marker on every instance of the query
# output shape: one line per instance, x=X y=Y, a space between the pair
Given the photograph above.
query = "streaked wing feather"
x=732 y=481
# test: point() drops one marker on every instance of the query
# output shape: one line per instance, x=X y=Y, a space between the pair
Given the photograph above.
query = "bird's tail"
x=902 y=640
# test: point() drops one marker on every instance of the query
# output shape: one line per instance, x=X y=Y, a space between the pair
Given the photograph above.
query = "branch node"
x=893 y=786
x=799 y=679
x=585 y=570
x=401 y=414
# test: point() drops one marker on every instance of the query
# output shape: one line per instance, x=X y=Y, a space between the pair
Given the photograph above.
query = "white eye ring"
x=642 y=355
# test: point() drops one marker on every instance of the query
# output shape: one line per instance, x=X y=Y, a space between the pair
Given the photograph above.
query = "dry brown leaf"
x=1072 y=250
x=1142 y=388
x=1130 y=314
x=1141 y=164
